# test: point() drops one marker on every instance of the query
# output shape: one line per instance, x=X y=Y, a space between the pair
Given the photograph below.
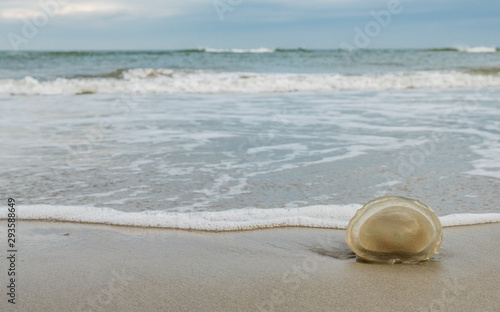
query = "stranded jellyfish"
x=394 y=229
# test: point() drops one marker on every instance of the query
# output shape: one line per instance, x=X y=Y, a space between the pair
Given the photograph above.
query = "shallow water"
x=217 y=152
x=194 y=131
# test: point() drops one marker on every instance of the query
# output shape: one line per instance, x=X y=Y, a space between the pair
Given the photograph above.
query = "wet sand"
x=76 y=267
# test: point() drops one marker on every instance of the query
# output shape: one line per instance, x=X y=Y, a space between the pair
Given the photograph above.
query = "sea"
x=230 y=139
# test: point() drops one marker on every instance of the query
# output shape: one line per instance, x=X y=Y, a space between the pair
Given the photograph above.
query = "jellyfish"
x=394 y=229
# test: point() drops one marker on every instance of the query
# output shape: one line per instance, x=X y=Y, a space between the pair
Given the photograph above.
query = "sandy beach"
x=77 y=267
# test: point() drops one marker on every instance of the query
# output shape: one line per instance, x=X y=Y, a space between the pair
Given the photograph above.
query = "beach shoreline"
x=84 y=267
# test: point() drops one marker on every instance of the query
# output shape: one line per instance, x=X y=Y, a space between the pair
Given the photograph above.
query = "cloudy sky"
x=182 y=24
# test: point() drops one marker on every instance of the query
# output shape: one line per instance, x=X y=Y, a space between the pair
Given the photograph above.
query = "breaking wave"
x=257 y=50
x=164 y=81
x=466 y=49
x=478 y=49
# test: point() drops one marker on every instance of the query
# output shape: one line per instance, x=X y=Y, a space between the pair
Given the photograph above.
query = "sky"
x=187 y=24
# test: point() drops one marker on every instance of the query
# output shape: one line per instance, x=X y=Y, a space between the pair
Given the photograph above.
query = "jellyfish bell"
x=394 y=229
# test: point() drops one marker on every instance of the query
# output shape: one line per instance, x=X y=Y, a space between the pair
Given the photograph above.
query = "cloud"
x=21 y=9
x=72 y=9
x=91 y=8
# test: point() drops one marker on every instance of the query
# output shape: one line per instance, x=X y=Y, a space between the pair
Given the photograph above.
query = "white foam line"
x=229 y=220
x=477 y=49
x=257 y=50
x=328 y=216
x=469 y=219
x=167 y=81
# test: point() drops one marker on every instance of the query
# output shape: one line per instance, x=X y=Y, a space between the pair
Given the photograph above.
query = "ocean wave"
x=484 y=70
x=478 y=49
x=118 y=74
x=257 y=50
x=327 y=216
x=441 y=50
x=164 y=81
x=466 y=49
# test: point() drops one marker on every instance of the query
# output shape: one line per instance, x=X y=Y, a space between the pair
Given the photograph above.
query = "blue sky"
x=181 y=24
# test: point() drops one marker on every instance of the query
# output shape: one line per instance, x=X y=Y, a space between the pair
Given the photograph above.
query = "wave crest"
x=327 y=216
x=257 y=50
x=478 y=49
x=164 y=81
x=466 y=49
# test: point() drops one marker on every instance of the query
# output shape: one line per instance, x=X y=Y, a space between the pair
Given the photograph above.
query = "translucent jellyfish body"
x=394 y=229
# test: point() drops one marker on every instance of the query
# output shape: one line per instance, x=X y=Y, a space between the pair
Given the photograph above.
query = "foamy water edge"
x=324 y=216
x=168 y=81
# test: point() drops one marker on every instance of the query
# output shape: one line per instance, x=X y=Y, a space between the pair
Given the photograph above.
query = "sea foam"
x=165 y=81
x=323 y=216
x=256 y=50
x=477 y=49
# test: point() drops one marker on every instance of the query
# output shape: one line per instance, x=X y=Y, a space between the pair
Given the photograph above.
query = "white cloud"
x=91 y=8
x=12 y=10
x=20 y=9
